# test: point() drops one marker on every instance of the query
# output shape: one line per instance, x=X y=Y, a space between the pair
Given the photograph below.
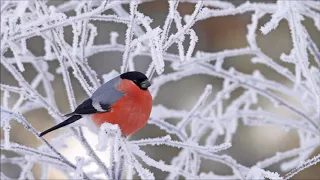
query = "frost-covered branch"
x=308 y=163
x=215 y=114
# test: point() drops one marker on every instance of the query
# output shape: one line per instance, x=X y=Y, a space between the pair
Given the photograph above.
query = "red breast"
x=131 y=112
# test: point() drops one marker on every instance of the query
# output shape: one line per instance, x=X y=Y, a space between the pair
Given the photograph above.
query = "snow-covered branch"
x=202 y=133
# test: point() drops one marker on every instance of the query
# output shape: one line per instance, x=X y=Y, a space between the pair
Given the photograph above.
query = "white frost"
x=214 y=115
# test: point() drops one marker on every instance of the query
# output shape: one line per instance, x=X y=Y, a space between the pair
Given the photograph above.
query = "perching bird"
x=124 y=100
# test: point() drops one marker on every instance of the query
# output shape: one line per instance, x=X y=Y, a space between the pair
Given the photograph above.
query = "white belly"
x=87 y=122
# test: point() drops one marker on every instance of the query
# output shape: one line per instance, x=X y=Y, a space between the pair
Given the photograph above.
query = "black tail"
x=62 y=124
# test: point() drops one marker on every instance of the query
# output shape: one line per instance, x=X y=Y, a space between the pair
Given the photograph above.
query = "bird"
x=124 y=100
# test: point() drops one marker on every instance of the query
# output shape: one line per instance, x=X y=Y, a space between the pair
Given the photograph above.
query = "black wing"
x=101 y=100
x=90 y=107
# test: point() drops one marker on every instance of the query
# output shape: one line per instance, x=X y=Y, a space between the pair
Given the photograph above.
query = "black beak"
x=145 y=84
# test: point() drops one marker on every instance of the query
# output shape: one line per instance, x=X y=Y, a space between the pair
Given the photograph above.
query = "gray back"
x=107 y=93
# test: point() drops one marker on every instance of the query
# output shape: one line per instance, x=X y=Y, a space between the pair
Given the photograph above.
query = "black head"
x=138 y=78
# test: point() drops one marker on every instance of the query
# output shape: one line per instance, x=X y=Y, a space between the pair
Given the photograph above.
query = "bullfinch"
x=124 y=100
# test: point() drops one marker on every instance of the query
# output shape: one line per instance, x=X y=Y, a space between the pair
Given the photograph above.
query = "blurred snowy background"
x=250 y=144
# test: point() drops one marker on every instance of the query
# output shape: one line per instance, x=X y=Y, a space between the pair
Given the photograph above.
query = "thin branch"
x=304 y=165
